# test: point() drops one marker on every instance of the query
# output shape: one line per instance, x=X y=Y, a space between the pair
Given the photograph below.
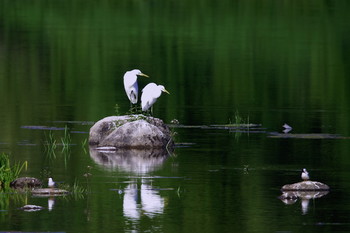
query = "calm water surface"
x=61 y=65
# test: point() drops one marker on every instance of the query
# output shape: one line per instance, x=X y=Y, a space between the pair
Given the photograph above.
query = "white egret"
x=304 y=174
x=150 y=94
x=51 y=183
x=130 y=84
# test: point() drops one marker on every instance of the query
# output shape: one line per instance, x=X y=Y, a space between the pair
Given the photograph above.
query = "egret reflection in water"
x=142 y=200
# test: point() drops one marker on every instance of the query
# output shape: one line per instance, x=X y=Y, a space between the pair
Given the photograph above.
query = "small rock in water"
x=306 y=186
x=23 y=182
x=175 y=121
x=31 y=208
x=49 y=192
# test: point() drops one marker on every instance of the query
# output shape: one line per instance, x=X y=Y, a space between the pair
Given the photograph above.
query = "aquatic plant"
x=50 y=145
x=9 y=173
x=134 y=110
x=178 y=191
x=239 y=120
x=83 y=145
x=116 y=109
x=66 y=139
x=76 y=188
x=8 y=199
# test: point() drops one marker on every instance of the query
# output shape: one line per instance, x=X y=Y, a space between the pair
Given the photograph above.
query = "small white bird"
x=51 y=183
x=287 y=128
x=130 y=84
x=304 y=174
x=150 y=94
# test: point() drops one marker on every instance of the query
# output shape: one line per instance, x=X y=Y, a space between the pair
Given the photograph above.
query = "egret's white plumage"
x=130 y=84
x=150 y=94
x=304 y=174
x=51 y=183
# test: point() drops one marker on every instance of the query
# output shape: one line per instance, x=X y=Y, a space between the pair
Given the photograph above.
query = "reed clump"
x=9 y=173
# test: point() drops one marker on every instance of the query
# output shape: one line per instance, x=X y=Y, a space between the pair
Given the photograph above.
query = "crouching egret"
x=130 y=84
x=150 y=94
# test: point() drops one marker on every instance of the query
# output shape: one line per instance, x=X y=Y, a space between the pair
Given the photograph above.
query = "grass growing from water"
x=50 y=145
x=83 y=145
x=239 y=124
x=239 y=120
x=66 y=139
x=9 y=173
x=76 y=189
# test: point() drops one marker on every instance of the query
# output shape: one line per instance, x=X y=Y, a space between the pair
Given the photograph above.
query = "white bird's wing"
x=133 y=94
x=131 y=87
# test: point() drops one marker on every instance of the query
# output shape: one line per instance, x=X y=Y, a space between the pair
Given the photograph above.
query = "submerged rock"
x=26 y=182
x=131 y=132
x=305 y=186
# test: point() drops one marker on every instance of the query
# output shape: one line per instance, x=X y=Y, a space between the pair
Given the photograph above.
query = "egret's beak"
x=166 y=91
x=144 y=75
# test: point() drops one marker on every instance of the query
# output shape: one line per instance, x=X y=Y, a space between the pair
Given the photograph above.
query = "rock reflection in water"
x=291 y=197
x=130 y=160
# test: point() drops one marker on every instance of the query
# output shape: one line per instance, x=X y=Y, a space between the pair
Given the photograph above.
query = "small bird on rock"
x=304 y=174
x=51 y=183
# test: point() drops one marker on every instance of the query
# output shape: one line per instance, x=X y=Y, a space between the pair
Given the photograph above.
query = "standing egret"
x=130 y=84
x=150 y=94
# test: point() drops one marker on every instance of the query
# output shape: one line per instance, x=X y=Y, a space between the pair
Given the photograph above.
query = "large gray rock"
x=131 y=132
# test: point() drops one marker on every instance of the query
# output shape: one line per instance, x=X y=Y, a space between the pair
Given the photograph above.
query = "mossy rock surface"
x=306 y=186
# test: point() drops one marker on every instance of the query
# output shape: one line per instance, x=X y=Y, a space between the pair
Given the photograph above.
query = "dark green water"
x=274 y=62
